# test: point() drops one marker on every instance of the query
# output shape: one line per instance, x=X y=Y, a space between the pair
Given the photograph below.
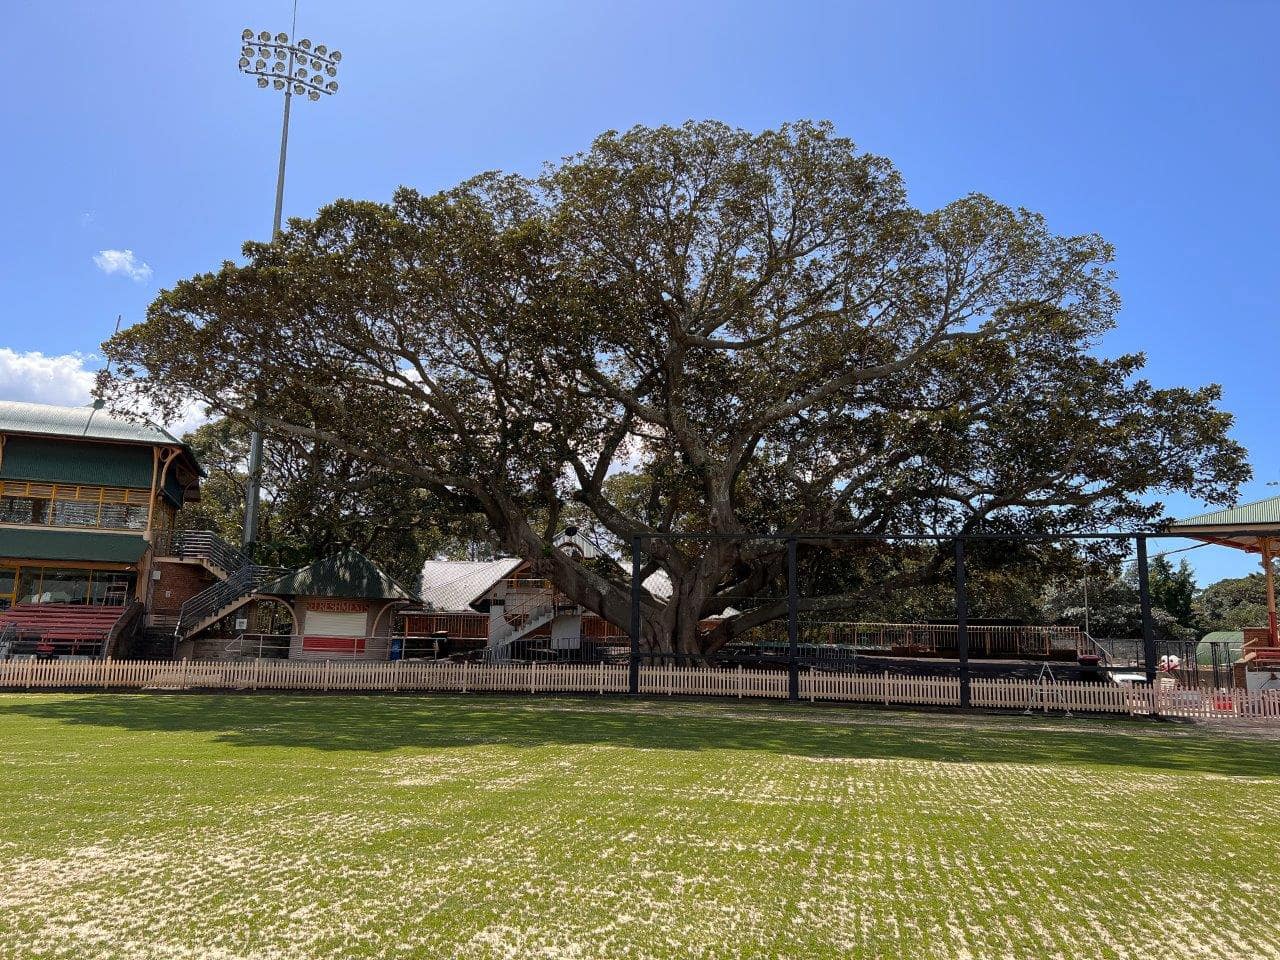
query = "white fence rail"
x=601 y=678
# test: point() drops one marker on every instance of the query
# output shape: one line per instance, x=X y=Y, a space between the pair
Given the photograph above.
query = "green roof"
x=349 y=575
x=79 y=422
x=71 y=545
x=41 y=444
x=1223 y=636
x=1259 y=513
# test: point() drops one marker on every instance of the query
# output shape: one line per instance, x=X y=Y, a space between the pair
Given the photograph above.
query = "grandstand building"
x=85 y=499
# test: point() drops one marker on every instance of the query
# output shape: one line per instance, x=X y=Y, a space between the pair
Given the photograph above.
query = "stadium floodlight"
x=310 y=67
x=295 y=67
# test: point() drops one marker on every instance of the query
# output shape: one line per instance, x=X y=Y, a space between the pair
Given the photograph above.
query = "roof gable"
x=349 y=575
x=453 y=585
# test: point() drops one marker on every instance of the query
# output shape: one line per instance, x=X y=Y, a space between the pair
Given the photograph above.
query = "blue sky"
x=1153 y=124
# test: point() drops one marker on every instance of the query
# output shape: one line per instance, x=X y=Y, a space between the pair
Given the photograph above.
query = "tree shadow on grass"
x=368 y=723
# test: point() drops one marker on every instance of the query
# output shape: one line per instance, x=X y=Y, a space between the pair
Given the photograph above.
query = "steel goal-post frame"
x=792 y=540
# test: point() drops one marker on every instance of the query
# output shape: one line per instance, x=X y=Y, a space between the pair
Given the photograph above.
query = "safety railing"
x=223 y=595
x=528 y=614
x=1001 y=640
x=200 y=545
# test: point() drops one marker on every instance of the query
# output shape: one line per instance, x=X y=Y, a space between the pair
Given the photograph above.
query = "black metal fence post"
x=633 y=685
x=1144 y=601
x=962 y=624
x=793 y=625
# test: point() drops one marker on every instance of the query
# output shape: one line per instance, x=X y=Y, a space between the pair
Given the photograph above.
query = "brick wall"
x=178 y=583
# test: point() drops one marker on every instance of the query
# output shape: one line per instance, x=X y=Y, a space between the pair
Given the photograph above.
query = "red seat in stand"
x=62 y=621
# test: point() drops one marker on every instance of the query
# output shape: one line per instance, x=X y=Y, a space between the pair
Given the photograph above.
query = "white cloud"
x=66 y=380
x=38 y=378
x=122 y=261
x=192 y=416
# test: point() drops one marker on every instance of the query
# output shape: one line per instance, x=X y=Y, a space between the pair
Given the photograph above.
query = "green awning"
x=71 y=545
x=1260 y=512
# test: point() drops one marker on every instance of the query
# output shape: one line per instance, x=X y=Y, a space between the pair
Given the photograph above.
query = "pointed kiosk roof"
x=348 y=575
x=1253 y=527
x=1244 y=527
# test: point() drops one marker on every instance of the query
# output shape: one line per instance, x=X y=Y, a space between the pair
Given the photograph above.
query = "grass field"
x=440 y=827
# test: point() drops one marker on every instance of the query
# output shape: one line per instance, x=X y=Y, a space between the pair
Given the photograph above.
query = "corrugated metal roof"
x=453 y=585
x=71 y=545
x=658 y=584
x=348 y=575
x=83 y=422
x=1259 y=513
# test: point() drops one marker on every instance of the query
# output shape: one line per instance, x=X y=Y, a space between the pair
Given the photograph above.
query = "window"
x=55 y=505
x=65 y=586
x=71 y=513
x=69 y=585
x=22 y=510
x=124 y=516
x=8 y=581
x=29 y=585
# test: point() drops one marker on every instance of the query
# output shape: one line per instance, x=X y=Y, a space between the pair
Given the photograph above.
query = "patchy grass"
x=436 y=827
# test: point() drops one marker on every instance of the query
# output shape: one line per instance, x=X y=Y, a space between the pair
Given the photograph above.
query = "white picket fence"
x=446 y=677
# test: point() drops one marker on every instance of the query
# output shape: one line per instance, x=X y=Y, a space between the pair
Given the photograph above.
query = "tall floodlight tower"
x=291 y=66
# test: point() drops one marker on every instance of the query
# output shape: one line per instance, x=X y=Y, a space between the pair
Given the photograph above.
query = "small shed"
x=341 y=607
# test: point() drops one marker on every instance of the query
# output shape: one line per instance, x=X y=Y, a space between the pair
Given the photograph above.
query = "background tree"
x=1115 y=611
x=316 y=500
x=1173 y=590
x=1232 y=604
x=757 y=325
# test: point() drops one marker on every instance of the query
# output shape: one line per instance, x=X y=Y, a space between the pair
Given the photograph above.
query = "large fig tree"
x=696 y=329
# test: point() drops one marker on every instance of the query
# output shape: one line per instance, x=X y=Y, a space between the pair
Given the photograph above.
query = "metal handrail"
x=223 y=594
x=1107 y=648
x=200 y=545
x=1103 y=652
x=993 y=638
x=531 y=612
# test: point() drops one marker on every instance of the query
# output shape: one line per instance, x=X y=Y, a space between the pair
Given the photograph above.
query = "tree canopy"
x=698 y=329
x=1233 y=603
x=316 y=501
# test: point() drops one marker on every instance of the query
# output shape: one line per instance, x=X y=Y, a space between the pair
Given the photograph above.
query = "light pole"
x=292 y=67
